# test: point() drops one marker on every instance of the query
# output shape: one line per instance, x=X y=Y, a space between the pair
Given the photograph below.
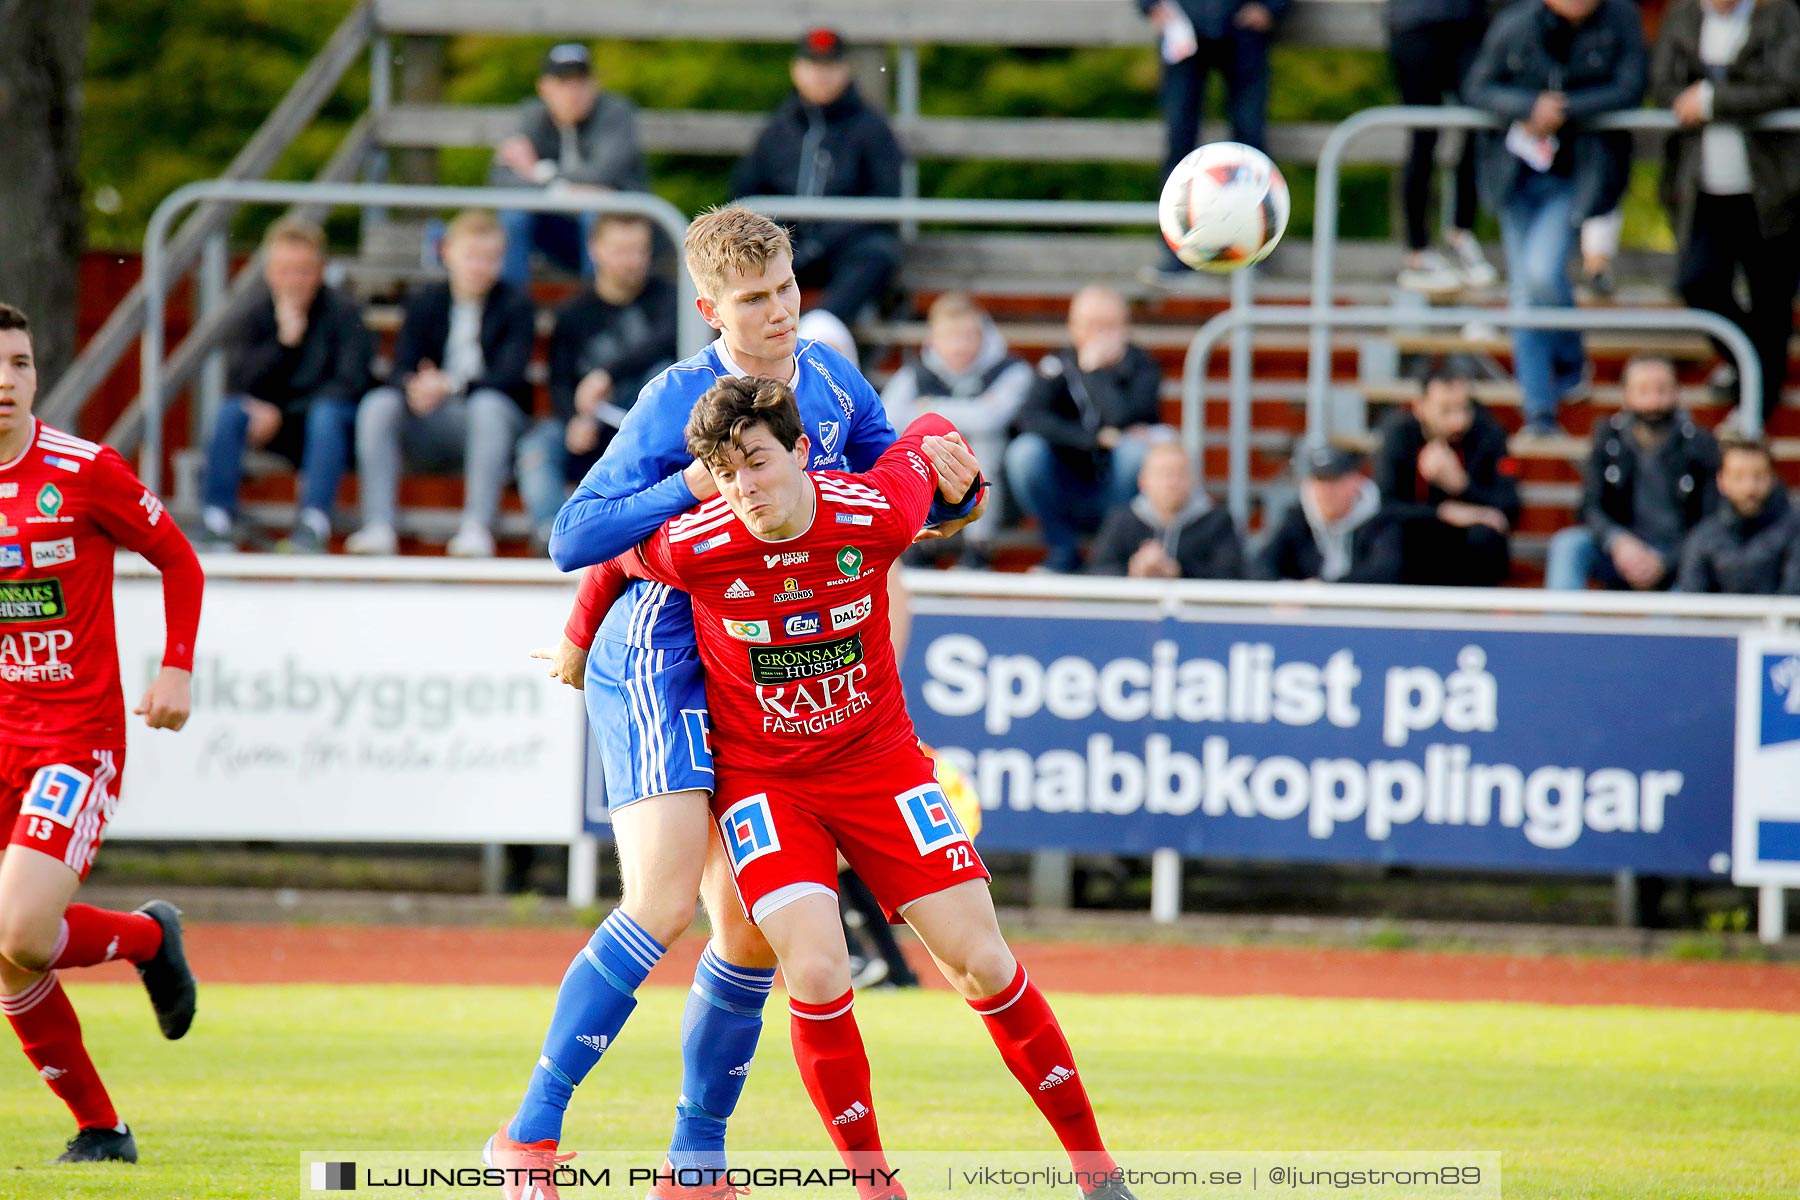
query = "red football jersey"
x=65 y=504
x=800 y=667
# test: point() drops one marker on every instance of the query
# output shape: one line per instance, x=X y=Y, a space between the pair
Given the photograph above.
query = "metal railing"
x=693 y=332
x=1325 y=219
x=1200 y=351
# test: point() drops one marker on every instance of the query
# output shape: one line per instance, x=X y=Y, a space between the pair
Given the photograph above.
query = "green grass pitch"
x=1594 y=1102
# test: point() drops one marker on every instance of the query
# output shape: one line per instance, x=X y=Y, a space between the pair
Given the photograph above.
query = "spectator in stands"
x=826 y=140
x=1196 y=37
x=1750 y=545
x=608 y=343
x=1649 y=480
x=965 y=373
x=1442 y=468
x=1085 y=426
x=297 y=365
x=1170 y=529
x=1546 y=67
x=1431 y=44
x=1734 y=195
x=1338 y=531
x=457 y=395
x=572 y=137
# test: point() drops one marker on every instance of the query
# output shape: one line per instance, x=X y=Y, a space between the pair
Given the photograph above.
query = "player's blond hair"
x=735 y=405
x=295 y=231
x=473 y=222
x=731 y=240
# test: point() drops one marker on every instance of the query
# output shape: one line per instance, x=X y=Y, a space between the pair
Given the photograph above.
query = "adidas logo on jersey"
x=743 y=1070
x=1056 y=1077
x=851 y=1115
x=593 y=1041
x=739 y=590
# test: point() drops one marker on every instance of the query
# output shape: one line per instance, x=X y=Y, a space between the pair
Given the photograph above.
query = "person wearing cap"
x=1338 y=531
x=1442 y=467
x=572 y=135
x=826 y=140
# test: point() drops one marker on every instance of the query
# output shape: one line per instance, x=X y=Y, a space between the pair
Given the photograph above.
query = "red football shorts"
x=890 y=819
x=58 y=799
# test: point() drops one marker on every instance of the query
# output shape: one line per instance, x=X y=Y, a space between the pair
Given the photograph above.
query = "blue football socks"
x=718 y=1039
x=598 y=993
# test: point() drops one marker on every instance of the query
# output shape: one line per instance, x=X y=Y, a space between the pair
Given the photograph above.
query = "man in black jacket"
x=1169 y=530
x=572 y=135
x=295 y=370
x=1338 y=531
x=1442 y=468
x=1750 y=546
x=825 y=140
x=1649 y=480
x=457 y=395
x=1545 y=67
x=1734 y=195
x=1084 y=425
x=608 y=343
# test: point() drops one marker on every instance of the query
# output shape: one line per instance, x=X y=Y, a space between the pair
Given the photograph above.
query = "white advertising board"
x=356 y=711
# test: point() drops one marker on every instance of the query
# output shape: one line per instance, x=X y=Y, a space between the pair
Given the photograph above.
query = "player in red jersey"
x=65 y=506
x=815 y=753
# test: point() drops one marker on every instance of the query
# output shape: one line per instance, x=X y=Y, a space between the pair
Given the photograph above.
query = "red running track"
x=223 y=953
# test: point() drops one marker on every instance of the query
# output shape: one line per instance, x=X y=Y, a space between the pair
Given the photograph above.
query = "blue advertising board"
x=1470 y=747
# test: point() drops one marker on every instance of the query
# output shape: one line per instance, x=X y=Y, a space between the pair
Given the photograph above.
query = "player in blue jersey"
x=647 y=704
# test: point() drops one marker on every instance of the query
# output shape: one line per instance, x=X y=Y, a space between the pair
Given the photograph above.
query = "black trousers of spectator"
x=1430 y=62
x=1724 y=237
x=1242 y=57
x=854 y=896
x=1445 y=555
x=855 y=270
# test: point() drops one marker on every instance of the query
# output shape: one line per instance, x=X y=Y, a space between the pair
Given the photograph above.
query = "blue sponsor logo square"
x=1780 y=699
x=749 y=831
x=930 y=818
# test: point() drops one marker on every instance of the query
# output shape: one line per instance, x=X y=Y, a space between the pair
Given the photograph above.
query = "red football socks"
x=1036 y=1052
x=835 y=1069
x=95 y=935
x=50 y=1032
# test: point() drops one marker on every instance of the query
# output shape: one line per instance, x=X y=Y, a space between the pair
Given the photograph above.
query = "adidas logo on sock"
x=855 y=1112
x=51 y=1074
x=743 y=1070
x=1057 y=1075
x=739 y=590
x=593 y=1041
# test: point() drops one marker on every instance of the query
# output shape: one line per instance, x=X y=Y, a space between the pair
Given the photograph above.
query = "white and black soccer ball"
x=1223 y=207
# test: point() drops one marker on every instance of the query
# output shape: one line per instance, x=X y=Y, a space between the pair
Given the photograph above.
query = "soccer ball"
x=1224 y=207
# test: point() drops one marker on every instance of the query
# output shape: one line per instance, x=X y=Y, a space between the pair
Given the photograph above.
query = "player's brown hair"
x=731 y=240
x=14 y=318
x=1744 y=444
x=735 y=405
x=294 y=231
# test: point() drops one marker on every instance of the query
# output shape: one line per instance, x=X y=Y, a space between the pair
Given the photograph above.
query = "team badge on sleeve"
x=749 y=831
x=930 y=818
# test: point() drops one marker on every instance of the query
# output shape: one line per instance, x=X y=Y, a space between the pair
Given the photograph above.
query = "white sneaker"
x=373 y=539
x=1431 y=274
x=1471 y=263
x=471 y=541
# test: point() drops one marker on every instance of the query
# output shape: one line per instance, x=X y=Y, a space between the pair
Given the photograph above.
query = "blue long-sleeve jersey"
x=637 y=484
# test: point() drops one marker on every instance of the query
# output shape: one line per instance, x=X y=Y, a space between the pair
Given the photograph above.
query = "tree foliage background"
x=176 y=87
